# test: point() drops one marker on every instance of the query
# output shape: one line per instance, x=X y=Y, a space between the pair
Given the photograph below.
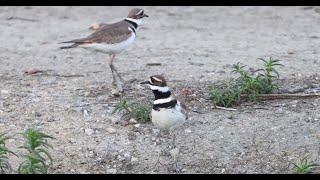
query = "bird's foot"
x=174 y=168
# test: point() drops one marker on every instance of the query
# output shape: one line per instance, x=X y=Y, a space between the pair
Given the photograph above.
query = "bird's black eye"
x=152 y=80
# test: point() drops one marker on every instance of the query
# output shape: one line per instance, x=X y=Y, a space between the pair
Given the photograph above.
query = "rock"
x=132 y=121
x=89 y=132
x=294 y=103
x=87 y=94
x=114 y=120
x=85 y=113
x=187 y=131
x=137 y=125
x=38 y=114
x=112 y=171
x=134 y=160
x=4 y=91
x=174 y=151
x=111 y=130
x=296 y=90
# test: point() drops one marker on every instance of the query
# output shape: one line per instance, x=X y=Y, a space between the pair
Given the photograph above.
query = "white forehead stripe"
x=161 y=89
x=157 y=79
x=139 y=12
x=162 y=101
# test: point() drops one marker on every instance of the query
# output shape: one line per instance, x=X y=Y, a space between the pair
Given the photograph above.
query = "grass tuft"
x=35 y=160
x=5 y=166
x=133 y=110
x=303 y=166
x=262 y=81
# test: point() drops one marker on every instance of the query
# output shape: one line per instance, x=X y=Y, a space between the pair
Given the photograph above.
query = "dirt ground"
x=72 y=99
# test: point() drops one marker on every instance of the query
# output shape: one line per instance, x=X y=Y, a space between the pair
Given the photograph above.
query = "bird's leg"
x=158 y=160
x=174 y=140
x=113 y=69
x=174 y=152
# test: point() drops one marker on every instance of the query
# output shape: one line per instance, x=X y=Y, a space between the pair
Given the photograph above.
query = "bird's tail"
x=67 y=47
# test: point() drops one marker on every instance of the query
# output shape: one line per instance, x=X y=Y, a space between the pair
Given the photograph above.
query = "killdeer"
x=168 y=113
x=112 y=39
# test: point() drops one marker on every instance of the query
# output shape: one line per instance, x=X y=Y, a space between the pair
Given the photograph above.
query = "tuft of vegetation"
x=133 y=110
x=303 y=166
x=35 y=160
x=5 y=166
x=250 y=85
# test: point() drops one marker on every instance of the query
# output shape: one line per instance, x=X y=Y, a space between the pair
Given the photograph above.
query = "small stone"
x=85 y=113
x=187 y=131
x=86 y=94
x=174 y=151
x=89 y=132
x=38 y=114
x=97 y=131
x=114 y=120
x=137 y=125
x=112 y=171
x=111 y=130
x=4 y=91
x=223 y=170
x=72 y=170
x=153 y=139
x=132 y=121
x=134 y=160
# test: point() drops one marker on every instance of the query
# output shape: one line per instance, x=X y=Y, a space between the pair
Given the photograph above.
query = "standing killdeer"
x=112 y=39
x=168 y=113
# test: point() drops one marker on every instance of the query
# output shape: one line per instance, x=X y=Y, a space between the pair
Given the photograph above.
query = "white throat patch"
x=161 y=89
x=162 y=101
x=137 y=21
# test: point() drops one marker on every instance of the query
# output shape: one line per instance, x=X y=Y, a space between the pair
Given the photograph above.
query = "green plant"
x=227 y=95
x=36 y=146
x=5 y=166
x=133 y=110
x=250 y=85
x=303 y=166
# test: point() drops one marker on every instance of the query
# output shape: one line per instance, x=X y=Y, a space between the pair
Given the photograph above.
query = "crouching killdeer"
x=112 y=39
x=168 y=113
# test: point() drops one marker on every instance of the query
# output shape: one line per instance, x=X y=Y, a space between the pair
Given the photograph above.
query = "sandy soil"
x=196 y=47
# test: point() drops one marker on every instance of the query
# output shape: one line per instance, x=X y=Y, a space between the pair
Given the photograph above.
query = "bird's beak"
x=145 y=15
x=145 y=82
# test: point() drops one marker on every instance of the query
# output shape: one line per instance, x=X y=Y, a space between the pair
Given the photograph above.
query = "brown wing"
x=108 y=34
x=184 y=108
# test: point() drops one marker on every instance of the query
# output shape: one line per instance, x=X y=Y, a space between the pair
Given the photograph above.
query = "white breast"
x=168 y=119
x=111 y=48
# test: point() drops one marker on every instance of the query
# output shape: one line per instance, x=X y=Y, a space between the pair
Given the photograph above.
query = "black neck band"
x=161 y=95
x=170 y=104
x=135 y=25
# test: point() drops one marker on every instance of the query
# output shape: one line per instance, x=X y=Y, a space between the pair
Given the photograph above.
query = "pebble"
x=86 y=94
x=137 y=125
x=111 y=130
x=112 y=171
x=85 y=113
x=134 y=160
x=4 y=91
x=89 y=132
x=187 y=131
x=132 y=121
x=174 y=151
